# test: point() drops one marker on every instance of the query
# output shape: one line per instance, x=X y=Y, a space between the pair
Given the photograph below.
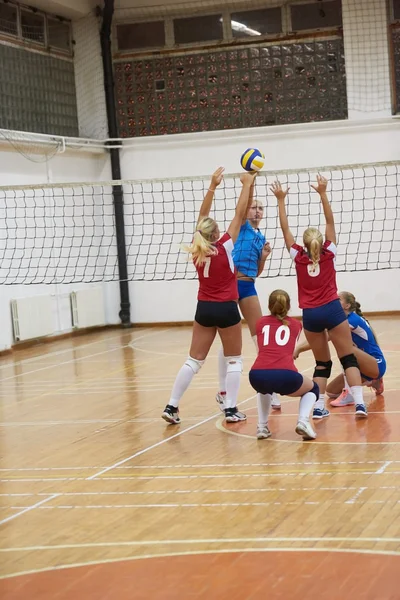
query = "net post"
x=118 y=195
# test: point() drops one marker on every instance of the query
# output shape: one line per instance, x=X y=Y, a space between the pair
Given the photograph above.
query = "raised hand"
x=279 y=193
x=248 y=178
x=321 y=184
x=217 y=177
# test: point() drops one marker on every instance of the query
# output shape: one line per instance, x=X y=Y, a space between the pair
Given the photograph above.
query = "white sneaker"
x=263 y=432
x=276 y=403
x=305 y=429
x=220 y=400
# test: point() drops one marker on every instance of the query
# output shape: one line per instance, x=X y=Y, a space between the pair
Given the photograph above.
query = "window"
x=396 y=10
x=141 y=35
x=32 y=25
x=256 y=22
x=198 y=29
x=8 y=19
x=316 y=16
x=58 y=34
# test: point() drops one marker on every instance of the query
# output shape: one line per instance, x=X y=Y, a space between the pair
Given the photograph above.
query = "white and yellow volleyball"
x=252 y=160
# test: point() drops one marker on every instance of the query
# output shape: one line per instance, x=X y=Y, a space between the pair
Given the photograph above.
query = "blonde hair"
x=279 y=304
x=356 y=307
x=202 y=244
x=313 y=241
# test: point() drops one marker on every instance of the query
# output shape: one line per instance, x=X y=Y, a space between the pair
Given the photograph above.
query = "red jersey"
x=217 y=275
x=315 y=287
x=276 y=343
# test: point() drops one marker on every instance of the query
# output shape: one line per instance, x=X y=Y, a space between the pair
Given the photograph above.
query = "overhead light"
x=242 y=28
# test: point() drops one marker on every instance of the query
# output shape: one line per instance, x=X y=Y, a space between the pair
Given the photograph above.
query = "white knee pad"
x=234 y=364
x=194 y=364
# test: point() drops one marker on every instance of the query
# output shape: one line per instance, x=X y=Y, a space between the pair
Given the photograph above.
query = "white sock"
x=357 y=393
x=182 y=382
x=232 y=388
x=264 y=408
x=307 y=402
x=320 y=403
x=222 y=370
x=254 y=338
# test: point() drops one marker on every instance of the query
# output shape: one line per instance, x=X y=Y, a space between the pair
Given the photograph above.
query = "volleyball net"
x=67 y=233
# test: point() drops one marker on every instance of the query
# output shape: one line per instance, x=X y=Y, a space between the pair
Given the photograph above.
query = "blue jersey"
x=363 y=337
x=247 y=250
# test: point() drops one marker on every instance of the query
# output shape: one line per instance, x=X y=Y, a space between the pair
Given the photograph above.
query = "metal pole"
x=105 y=38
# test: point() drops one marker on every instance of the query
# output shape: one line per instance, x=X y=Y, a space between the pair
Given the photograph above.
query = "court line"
x=201 y=491
x=74 y=360
x=29 y=508
x=205 y=466
x=160 y=443
x=353 y=499
x=383 y=467
x=196 y=476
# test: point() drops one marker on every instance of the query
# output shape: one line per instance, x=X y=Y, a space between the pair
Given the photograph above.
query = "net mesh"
x=66 y=234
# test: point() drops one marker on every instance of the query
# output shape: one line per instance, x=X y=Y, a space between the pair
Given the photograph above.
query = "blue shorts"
x=323 y=317
x=381 y=366
x=246 y=289
x=280 y=381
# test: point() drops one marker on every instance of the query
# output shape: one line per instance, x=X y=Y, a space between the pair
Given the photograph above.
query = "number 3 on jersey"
x=282 y=335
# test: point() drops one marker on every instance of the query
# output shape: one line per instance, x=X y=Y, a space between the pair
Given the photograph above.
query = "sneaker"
x=263 y=432
x=171 y=415
x=361 y=410
x=305 y=429
x=233 y=415
x=377 y=385
x=320 y=413
x=344 y=399
x=220 y=399
x=276 y=403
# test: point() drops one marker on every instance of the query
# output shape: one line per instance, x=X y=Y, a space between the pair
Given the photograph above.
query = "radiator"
x=87 y=307
x=32 y=317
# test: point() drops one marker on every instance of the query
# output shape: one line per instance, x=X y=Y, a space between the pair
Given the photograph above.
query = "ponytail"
x=313 y=240
x=279 y=305
x=202 y=244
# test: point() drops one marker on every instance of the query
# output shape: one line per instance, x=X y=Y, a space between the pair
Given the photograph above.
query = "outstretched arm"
x=280 y=195
x=330 y=233
x=247 y=180
x=216 y=179
x=249 y=203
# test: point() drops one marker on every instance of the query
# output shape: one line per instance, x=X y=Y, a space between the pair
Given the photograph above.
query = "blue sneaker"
x=320 y=413
x=361 y=410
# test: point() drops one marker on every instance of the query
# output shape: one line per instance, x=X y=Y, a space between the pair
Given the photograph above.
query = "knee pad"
x=315 y=391
x=194 y=364
x=349 y=361
x=326 y=371
x=234 y=364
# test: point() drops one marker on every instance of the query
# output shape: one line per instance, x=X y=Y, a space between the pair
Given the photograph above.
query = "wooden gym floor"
x=99 y=498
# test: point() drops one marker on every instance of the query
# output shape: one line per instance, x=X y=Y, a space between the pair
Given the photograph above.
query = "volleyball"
x=252 y=160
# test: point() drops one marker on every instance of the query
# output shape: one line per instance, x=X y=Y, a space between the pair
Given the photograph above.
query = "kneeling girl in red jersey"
x=274 y=370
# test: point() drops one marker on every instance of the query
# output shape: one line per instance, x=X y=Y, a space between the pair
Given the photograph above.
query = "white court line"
x=74 y=360
x=358 y=494
x=207 y=504
x=201 y=491
x=28 y=509
x=188 y=476
x=383 y=467
x=192 y=542
x=206 y=466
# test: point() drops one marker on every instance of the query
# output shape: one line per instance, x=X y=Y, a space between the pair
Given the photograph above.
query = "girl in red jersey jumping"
x=217 y=306
x=274 y=369
x=318 y=297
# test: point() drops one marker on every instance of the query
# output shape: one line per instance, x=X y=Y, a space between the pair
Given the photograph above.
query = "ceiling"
x=76 y=9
